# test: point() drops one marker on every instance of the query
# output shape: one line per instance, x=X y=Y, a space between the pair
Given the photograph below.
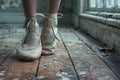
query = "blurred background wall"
x=15 y=6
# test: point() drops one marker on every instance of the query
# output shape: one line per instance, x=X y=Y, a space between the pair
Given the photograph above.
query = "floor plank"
x=111 y=59
x=11 y=68
x=14 y=69
x=57 y=66
x=9 y=37
x=88 y=65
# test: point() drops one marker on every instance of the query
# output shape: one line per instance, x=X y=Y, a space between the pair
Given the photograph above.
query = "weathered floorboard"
x=57 y=66
x=9 y=37
x=110 y=58
x=88 y=65
x=11 y=68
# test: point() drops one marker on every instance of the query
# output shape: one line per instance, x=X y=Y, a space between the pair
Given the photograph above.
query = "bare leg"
x=29 y=7
x=53 y=6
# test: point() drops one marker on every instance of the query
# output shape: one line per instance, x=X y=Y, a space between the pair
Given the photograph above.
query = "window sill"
x=112 y=10
x=104 y=20
x=105 y=14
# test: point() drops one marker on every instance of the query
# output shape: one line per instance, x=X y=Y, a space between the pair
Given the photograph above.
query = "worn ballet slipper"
x=30 y=48
x=49 y=33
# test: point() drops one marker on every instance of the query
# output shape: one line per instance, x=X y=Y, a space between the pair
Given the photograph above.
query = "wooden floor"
x=73 y=59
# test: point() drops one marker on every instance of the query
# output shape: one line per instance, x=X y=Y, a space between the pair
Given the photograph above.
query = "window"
x=102 y=5
x=110 y=3
x=118 y=3
x=92 y=3
x=105 y=8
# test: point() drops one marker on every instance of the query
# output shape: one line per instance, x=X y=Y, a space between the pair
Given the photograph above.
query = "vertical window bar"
x=97 y=3
x=110 y=3
x=116 y=3
x=104 y=5
x=100 y=3
x=92 y=3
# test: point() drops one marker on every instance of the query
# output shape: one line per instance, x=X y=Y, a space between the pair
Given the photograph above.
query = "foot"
x=30 y=48
x=49 y=34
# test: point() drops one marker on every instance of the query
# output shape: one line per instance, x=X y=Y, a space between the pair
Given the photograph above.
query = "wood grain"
x=57 y=66
x=15 y=69
x=11 y=68
x=88 y=65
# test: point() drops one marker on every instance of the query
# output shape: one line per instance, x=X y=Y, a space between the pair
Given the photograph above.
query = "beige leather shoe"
x=30 y=48
x=49 y=33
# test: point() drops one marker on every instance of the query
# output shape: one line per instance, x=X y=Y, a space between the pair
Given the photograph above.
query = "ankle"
x=28 y=20
x=51 y=15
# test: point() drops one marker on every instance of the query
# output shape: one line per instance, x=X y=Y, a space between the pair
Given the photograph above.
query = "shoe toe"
x=28 y=55
x=48 y=51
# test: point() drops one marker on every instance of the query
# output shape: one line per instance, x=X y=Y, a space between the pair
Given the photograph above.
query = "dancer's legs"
x=53 y=6
x=29 y=7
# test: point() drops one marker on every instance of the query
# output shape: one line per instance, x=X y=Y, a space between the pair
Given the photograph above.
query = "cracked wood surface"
x=88 y=65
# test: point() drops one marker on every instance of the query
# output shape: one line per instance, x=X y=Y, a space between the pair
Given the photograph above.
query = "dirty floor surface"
x=73 y=59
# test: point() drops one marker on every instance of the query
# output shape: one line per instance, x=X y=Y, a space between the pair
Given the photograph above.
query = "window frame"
x=115 y=9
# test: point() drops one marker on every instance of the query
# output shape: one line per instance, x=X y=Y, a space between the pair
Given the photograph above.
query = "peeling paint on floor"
x=42 y=78
x=62 y=75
